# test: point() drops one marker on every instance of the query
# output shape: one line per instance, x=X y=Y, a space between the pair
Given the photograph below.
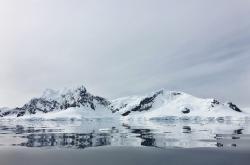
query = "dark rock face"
x=5 y=113
x=176 y=93
x=82 y=98
x=77 y=98
x=146 y=103
x=40 y=104
x=126 y=113
x=117 y=109
x=186 y=110
x=214 y=103
x=234 y=107
x=21 y=113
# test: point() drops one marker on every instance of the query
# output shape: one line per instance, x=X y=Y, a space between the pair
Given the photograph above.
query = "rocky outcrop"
x=58 y=100
x=168 y=103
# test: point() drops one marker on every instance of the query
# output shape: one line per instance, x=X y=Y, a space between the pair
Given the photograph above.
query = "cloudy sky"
x=122 y=47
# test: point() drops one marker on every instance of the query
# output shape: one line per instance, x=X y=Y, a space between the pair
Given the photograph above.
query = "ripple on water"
x=93 y=133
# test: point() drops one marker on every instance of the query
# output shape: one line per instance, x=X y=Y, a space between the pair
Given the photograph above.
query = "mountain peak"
x=54 y=94
x=160 y=103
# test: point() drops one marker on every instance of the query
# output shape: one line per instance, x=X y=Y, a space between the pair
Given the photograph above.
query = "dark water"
x=112 y=155
x=92 y=133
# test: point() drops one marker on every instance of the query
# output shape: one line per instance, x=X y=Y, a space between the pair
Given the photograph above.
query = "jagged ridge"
x=160 y=103
x=59 y=100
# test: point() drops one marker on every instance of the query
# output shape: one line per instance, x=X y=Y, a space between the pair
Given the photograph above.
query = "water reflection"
x=92 y=133
x=70 y=140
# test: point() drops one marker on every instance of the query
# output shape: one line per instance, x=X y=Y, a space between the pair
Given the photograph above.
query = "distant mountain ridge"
x=161 y=103
x=58 y=100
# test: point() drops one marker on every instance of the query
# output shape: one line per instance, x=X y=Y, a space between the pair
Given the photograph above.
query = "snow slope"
x=163 y=104
x=78 y=103
x=73 y=102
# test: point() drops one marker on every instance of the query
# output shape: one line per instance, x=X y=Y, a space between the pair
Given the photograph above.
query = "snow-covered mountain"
x=165 y=104
x=57 y=101
x=79 y=103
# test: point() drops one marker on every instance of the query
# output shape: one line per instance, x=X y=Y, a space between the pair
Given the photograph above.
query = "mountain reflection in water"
x=92 y=133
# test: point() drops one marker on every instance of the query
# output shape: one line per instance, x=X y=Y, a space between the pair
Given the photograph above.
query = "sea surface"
x=164 y=140
x=81 y=134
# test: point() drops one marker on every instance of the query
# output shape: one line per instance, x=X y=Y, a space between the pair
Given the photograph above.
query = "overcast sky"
x=122 y=47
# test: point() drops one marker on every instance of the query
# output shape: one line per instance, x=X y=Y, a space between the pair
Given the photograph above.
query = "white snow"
x=69 y=94
x=70 y=113
x=246 y=110
x=4 y=109
x=167 y=104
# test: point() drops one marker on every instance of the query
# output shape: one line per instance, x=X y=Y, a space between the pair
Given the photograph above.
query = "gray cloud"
x=117 y=48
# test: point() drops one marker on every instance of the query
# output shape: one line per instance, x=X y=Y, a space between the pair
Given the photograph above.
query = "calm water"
x=108 y=132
